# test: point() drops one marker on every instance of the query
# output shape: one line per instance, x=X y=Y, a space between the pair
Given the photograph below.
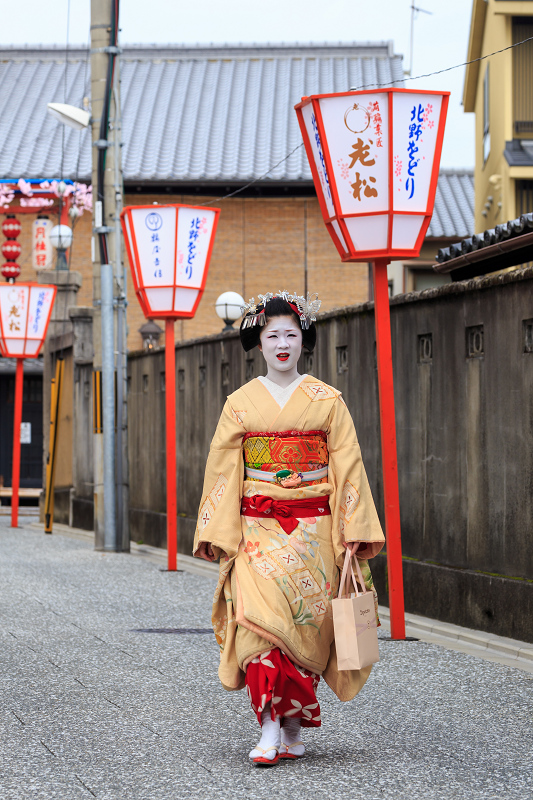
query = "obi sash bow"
x=286 y=512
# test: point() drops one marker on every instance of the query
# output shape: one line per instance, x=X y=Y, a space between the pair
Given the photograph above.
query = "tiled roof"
x=190 y=114
x=454 y=204
x=519 y=153
x=501 y=233
x=204 y=114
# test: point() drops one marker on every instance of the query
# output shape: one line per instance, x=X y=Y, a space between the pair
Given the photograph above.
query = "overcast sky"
x=440 y=39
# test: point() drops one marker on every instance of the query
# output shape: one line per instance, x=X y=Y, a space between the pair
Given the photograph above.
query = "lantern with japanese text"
x=169 y=249
x=375 y=161
x=42 y=250
x=375 y=157
x=25 y=311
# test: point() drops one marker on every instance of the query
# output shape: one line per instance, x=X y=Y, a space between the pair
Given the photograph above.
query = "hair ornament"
x=306 y=308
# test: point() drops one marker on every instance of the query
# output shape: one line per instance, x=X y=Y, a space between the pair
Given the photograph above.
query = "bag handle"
x=344 y=576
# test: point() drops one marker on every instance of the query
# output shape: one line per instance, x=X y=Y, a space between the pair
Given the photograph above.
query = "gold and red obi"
x=289 y=458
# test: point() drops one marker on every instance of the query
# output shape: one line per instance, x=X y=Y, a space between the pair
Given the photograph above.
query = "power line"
x=372 y=86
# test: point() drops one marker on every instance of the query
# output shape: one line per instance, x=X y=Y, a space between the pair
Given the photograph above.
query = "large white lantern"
x=25 y=310
x=375 y=161
x=169 y=249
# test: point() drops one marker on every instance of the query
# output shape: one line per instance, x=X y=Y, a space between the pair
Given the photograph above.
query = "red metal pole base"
x=388 y=449
x=170 y=409
x=15 y=472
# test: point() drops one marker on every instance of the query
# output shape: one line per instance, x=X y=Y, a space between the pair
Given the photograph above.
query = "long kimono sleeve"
x=219 y=517
x=354 y=515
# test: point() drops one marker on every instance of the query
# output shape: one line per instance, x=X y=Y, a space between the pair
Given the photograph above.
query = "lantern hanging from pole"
x=25 y=310
x=169 y=249
x=375 y=161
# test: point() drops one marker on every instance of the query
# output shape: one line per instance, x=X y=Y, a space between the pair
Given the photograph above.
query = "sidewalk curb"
x=488 y=646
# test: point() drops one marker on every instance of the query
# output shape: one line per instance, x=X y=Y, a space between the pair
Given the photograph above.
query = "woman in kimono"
x=285 y=493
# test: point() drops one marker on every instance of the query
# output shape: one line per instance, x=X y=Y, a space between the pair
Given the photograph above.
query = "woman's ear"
x=260 y=348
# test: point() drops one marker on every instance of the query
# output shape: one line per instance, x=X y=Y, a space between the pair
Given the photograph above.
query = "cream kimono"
x=276 y=588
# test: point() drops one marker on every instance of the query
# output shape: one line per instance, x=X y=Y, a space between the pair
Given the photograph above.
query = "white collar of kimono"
x=281 y=395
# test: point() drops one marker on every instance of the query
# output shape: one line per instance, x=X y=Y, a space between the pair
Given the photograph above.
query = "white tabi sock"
x=270 y=737
x=291 y=736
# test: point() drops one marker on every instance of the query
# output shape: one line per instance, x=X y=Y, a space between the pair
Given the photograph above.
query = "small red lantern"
x=11 y=227
x=10 y=270
x=11 y=249
x=169 y=249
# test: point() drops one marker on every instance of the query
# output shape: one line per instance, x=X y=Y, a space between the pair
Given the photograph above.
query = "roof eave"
x=475 y=46
x=494 y=257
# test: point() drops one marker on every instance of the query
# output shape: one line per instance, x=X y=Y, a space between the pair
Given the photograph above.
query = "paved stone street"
x=98 y=702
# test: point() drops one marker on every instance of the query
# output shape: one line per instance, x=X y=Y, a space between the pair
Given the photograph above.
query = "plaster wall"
x=495 y=33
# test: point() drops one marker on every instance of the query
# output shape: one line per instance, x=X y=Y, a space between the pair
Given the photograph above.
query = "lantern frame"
x=5 y=350
x=389 y=253
x=140 y=287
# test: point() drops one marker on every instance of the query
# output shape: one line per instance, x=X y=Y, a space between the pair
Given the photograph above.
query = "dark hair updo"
x=277 y=307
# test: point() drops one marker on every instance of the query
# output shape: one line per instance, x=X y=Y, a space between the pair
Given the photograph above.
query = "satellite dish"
x=72 y=116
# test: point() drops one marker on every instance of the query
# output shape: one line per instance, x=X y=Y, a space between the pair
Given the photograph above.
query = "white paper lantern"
x=375 y=161
x=169 y=248
x=25 y=310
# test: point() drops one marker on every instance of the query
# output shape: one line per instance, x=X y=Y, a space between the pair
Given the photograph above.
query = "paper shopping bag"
x=354 y=622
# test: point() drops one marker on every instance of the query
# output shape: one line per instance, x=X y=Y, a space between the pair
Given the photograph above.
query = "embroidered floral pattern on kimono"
x=275 y=588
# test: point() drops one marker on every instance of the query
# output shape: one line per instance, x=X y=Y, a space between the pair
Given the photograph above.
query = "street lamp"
x=169 y=248
x=375 y=161
x=150 y=334
x=229 y=308
x=69 y=115
x=25 y=311
x=61 y=238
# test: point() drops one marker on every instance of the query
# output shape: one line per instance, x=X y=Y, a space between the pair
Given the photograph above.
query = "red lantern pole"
x=172 y=481
x=15 y=474
x=388 y=448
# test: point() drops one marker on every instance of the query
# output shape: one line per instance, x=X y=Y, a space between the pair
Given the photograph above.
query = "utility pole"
x=109 y=288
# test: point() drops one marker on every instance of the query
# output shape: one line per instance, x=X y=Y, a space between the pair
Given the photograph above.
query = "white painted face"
x=281 y=343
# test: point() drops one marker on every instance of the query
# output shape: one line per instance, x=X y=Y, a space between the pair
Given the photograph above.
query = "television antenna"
x=414 y=10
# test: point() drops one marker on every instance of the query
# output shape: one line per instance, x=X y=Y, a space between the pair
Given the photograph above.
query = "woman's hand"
x=351 y=547
x=205 y=551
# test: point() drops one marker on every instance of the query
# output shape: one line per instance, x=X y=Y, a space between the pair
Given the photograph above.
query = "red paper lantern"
x=11 y=227
x=10 y=270
x=169 y=249
x=11 y=249
x=375 y=161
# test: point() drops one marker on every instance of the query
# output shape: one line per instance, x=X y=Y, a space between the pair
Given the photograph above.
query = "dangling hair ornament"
x=253 y=313
x=307 y=309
